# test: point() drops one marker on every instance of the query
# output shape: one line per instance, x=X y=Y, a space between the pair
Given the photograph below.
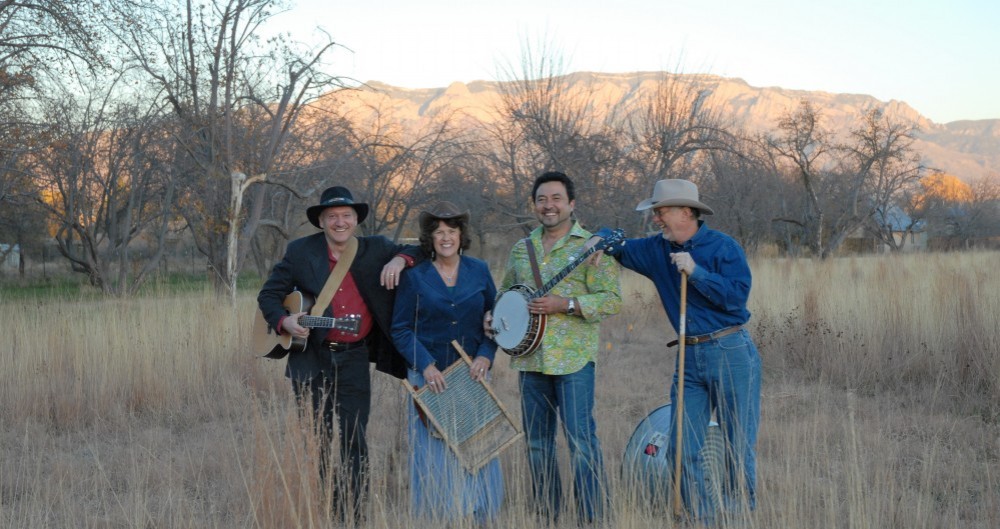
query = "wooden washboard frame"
x=468 y=416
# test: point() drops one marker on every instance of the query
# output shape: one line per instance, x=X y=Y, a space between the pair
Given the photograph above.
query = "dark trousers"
x=345 y=392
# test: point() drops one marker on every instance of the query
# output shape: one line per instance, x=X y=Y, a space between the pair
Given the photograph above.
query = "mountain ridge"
x=968 y=149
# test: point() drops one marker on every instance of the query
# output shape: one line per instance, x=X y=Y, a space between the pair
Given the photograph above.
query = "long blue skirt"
x=440 y=488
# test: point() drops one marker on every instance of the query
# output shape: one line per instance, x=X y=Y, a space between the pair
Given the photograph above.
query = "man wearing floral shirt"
x=557 y=379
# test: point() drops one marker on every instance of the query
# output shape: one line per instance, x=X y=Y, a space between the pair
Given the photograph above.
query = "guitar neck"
x=577 y=261
x=317 y=322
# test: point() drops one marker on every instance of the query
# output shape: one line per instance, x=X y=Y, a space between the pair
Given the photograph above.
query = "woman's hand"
x=479 y=368
x=434 y=379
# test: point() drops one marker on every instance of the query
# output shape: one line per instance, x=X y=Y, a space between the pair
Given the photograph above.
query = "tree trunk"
x=239 y=184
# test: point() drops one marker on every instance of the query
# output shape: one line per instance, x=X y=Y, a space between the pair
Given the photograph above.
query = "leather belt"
x=338 y=347
x=702 y=338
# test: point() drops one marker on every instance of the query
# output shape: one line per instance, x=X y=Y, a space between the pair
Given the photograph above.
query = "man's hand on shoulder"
x=601 y=235
x=391 y=272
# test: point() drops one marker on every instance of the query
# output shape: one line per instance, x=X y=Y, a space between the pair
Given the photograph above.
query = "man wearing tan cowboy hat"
x=722 y=372
x=331 y=372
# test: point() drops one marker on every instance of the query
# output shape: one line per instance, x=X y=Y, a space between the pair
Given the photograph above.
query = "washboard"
x=468 y=416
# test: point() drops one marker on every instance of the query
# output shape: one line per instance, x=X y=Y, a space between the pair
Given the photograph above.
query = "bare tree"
x=845 y=184
x=553 y=119
x=674 y=122
x=961 y=215
x=103 y=182
x=22 y=222
x=879 y=168
x=745 y=190
x=18 y=132
x=507 y=170
x=806 y=144
x=236 y=99
x=389 y=166
x=33 y=32
x=985 y=206
x=39 y=40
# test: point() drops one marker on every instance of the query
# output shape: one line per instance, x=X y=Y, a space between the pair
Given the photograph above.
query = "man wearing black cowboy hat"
x=332 y=371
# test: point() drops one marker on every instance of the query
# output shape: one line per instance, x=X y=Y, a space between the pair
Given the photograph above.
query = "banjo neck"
x=515 y=329
x=574 y=262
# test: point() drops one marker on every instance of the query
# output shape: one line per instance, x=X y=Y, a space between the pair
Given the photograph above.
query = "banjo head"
x=511 y=319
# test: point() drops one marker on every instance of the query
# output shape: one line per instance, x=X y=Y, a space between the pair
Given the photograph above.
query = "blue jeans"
x=721 y=376
x=569 y=398
x=441 y=490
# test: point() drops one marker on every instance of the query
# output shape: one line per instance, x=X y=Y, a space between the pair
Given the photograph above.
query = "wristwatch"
x=571 y=308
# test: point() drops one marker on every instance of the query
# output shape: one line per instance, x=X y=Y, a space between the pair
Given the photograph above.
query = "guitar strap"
x=534 y=262
x=337 y=276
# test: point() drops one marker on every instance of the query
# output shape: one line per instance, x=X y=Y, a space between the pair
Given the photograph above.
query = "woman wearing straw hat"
x=723 y=367
x=438 y=301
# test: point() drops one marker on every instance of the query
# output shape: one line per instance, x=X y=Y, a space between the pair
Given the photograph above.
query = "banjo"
x=515 y=329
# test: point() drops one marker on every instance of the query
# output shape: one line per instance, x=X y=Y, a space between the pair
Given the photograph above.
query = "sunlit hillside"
x=966 y=149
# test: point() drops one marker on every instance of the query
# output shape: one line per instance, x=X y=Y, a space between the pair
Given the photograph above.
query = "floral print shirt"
x=569 y=342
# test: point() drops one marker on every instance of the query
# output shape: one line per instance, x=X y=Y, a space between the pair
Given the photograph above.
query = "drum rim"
x=711 y=422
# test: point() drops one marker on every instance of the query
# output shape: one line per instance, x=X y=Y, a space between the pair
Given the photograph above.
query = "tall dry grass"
x=877 y=324
x=880 y=408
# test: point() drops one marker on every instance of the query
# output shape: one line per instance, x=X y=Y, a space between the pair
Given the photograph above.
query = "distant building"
x=10 y=256
x=907 y=235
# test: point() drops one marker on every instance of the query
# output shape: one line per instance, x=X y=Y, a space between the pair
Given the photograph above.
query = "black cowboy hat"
x=334 y=197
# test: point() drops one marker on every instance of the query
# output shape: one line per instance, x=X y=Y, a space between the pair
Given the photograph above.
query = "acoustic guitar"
x=269 y=343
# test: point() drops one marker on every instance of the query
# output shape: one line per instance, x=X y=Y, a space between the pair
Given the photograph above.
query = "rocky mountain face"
x=967 y=149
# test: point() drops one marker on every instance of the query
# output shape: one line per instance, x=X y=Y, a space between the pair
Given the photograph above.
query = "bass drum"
x=647 y=469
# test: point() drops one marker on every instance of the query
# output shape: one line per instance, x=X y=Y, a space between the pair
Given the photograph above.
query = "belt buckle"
x=336 y=346
x=695 y=340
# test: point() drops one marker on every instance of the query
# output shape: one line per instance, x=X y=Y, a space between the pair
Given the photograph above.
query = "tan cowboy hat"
x=334 y=197
x=443 y=210
x=674 y=192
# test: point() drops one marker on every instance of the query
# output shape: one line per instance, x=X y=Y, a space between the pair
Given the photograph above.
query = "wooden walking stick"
x=679 y=405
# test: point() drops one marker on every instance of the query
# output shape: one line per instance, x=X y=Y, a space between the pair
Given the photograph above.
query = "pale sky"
x=942 y=57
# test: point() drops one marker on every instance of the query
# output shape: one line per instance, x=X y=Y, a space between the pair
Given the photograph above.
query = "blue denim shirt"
x=428 y=315
x=718 y=289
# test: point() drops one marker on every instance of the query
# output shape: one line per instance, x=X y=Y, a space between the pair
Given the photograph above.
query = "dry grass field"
x=881 y=407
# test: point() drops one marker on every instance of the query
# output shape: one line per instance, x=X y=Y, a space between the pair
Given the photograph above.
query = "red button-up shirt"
x=347 y=301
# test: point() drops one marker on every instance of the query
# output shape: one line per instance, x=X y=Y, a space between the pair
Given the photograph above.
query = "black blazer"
x=306 y=267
